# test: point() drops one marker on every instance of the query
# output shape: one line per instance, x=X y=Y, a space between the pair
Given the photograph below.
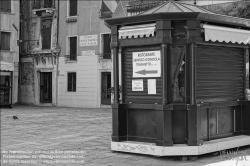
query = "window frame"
x=11 y=7
x=68 y=46
x=68 y=9
x=102 y=45
x=72 y=89
x=10 y=39
x=51 y=33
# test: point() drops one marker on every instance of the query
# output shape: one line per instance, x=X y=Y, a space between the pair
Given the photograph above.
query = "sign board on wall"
x=137 y=85
x=88 y=53
x=88 y=40
x=147 y=64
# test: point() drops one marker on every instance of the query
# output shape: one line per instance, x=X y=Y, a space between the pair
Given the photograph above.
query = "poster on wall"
x=151 y=86
x=147 y=64
x=137 y=85
x=88 y=40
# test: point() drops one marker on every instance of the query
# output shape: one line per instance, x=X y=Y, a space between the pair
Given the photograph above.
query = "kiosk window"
x=178 y=74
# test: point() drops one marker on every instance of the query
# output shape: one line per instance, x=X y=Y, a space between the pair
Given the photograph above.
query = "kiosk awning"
x=137 y=31
x=6 y=66
x=224 y=34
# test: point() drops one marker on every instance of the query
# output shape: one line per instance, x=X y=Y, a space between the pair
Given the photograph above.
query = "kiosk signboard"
x=147 y=64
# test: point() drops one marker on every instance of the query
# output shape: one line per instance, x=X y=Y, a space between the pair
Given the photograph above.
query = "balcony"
x=137 y=6
x=41 y=6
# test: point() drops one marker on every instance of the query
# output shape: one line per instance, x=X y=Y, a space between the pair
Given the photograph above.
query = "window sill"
x=67 y=17
x=7 y=51
x=70 y=61
x=8 y=13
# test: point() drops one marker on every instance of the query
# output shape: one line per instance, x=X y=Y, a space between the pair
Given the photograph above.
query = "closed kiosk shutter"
x=139 y=97
x=219 y=74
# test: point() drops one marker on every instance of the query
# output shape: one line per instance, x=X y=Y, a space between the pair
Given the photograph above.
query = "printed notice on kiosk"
x=147 y=64
x=137 y=85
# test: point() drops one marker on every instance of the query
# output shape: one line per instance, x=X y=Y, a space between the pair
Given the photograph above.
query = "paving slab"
x=62 y=136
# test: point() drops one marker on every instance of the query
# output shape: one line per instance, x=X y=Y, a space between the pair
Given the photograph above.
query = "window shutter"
x=73 y=8
x=106 y=46
x=8 y=5
x=5 y=41
x=74 y=82
x=69 y=82
x=73 y=46
x=46 y=33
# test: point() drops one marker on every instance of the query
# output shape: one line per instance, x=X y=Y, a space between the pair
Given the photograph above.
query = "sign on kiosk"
x=147 y=64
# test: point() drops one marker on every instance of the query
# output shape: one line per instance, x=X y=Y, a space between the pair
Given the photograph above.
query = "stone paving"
x=75 y=136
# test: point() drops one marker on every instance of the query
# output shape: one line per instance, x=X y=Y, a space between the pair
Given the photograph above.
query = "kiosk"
x=183 y=78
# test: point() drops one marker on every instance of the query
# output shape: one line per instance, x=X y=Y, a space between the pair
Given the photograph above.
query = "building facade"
x=85 y=64
x=39 y=52
x=9 y=51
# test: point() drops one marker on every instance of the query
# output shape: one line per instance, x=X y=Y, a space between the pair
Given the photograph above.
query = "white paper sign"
x=137 y=85
x=151 y=86
x=88 y=53
x=147 y=64
x=88 y=40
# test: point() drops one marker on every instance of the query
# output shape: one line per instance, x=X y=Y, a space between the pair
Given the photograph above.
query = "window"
x=72 y=7
x=46 y=33
x=71 y=82
x=106 y=46
x=72 y=48
x=5 y=41
x=6 y=6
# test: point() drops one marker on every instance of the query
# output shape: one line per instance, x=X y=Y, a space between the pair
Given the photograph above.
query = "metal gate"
x=46 y=87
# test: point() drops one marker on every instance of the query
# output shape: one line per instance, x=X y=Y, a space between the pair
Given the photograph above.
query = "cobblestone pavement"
x=42 y=133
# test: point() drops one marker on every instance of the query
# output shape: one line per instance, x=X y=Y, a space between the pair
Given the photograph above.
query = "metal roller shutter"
x=140 y=97
x=219 y=74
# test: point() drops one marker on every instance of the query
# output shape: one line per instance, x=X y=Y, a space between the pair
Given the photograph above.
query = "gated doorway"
x=106 y=88
x=46 y=87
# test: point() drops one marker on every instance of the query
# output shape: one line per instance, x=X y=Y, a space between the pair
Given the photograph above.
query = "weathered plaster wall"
x=8 y=23
x=42 y=60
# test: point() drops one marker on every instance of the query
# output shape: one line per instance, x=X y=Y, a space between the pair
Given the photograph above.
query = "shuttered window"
x=72 y=7
x=46 y=33
x=5 y=41
x=106 y=46
x=73 y=47
x=6 y=6
x=219 y=74
x=71 y=82
x=140 y=97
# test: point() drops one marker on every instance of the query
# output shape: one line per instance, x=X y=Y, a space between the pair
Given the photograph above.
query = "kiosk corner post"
x=164 y=111
x=193 y=109
x=119 y=116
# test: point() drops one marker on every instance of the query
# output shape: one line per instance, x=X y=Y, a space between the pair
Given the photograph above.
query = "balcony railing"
x=138 y=7
x=41 y=4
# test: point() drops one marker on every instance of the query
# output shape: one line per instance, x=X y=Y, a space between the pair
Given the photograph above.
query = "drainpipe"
x=57 y=60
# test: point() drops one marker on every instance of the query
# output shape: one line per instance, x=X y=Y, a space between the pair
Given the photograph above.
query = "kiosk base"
x=181 y=149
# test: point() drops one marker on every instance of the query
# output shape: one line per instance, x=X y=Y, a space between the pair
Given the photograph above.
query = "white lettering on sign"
x=137 y=85
x=88 y=40
x=147 y=64
x=88 y=53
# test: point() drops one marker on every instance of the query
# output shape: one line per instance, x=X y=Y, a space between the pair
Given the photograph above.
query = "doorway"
x=46 y=87
x=106 y=88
